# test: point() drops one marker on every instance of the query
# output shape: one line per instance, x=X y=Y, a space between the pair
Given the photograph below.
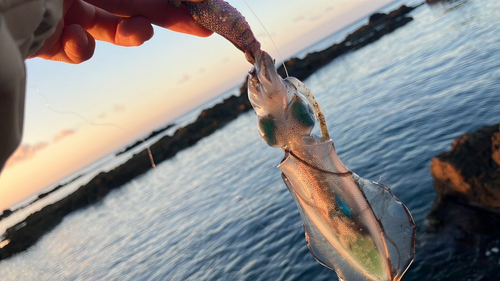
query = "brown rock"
x=377 y=17
x=470 y=171
x=495 y=148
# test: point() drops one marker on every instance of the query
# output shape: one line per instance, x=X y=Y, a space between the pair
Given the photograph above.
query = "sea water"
x=220 y=211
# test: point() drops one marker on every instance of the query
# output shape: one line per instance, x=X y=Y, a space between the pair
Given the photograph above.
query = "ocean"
x=220 y=211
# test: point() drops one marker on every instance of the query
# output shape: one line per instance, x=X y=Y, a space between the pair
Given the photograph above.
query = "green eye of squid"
x=267 y=129
x=301 y=112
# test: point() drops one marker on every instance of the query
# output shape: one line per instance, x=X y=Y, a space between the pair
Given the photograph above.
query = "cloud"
x=298 y=19
x=184 y=78
x=62 y=134
x=101 y=116
x=118 y=108
x=314 y=18
x=24 y=152
x=328 y=9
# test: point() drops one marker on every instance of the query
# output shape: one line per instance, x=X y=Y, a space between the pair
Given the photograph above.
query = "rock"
x=470 y=171
x=5 y=214
x=440 y=1
x=450 y=215
x=461 y=231
x=376 y=18
x=495 y=148
x=461 y=238
x=151 y=135
x=379 y=24
x=400 y=12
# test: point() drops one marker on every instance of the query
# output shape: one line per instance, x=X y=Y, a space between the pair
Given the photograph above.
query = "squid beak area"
x=255 y=59
x=252 y=52
x=263 y=69
x=250 y=57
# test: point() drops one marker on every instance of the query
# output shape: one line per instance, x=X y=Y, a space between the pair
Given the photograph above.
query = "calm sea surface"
x=219 y=210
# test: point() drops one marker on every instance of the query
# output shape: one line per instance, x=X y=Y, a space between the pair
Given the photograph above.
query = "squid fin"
x=397 y=225
x=396 y=222
x=319 y=246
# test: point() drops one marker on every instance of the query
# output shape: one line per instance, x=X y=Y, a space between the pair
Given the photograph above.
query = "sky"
x=76 y=114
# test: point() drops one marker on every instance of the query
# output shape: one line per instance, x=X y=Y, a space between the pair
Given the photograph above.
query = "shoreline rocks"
x=463 y=221
x=23 y=235
x=460 y=234
x=139 y=142
x=470 y=171
x=379 y=24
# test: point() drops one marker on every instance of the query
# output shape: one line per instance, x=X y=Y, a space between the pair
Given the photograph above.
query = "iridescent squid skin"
x=354 y=226
x=223 y=19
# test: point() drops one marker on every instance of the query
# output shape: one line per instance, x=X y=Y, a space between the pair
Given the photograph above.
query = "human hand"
x=120 y=22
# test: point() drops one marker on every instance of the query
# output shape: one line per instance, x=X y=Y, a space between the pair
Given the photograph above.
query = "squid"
x=352 y=225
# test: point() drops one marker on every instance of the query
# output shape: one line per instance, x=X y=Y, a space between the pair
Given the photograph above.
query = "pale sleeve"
x=24 y=26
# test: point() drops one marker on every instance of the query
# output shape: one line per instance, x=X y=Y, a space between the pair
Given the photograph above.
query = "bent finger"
x=78 y=44
x=159 y=12
x=108 y=27
x=74 y=46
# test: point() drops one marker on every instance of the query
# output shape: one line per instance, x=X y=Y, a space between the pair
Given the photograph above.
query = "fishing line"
x=269 y=35
x=48 y=106
x=339 y=174
x=91 y=123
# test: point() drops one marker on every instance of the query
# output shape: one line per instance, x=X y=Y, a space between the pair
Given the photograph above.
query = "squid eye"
x=300 y=111
x=267 y=128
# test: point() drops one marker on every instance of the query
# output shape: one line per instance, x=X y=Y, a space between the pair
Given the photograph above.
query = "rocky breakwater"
x=26 y=233
x=440 y=1
x=379 y=24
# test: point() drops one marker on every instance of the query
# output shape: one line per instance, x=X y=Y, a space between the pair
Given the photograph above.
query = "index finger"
x=108 y=27
x=159 y=12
